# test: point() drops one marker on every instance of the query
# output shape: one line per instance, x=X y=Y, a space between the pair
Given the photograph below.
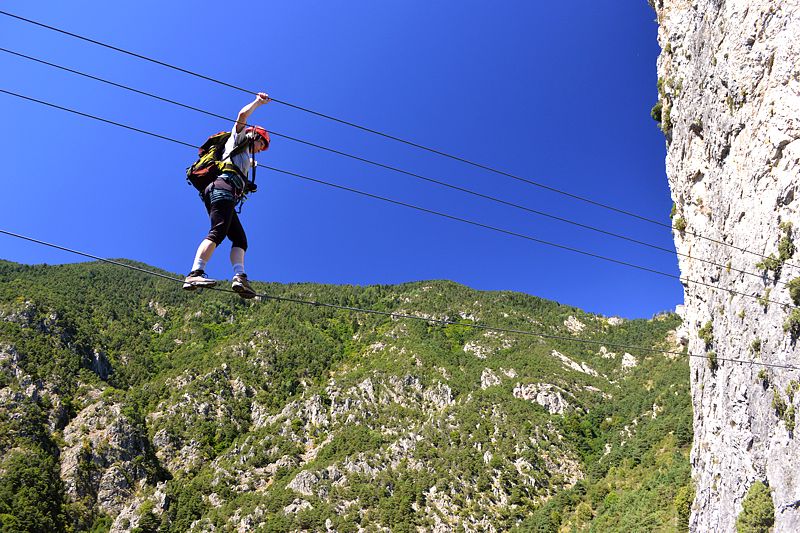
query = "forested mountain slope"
x=130 y=405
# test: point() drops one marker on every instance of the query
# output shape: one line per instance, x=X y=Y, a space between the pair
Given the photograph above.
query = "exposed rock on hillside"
x=237 y=415
x=106 y=456
x=729 y=90
x=548 y=396
x=569 y=363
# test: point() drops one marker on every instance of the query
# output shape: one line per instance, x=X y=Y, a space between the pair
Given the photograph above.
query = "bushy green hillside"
x=130 y=403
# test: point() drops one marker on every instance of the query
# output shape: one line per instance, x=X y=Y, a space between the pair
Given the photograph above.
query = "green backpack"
x=209 y=165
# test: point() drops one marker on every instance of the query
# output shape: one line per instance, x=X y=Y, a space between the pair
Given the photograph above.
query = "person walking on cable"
x=223 y=195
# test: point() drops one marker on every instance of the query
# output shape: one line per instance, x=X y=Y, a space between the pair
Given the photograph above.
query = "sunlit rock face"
x=729 y=87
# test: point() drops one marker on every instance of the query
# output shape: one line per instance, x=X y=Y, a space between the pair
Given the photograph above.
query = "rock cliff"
x=729 y=105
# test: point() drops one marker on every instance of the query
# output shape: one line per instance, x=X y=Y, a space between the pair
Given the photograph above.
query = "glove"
x=250 y=187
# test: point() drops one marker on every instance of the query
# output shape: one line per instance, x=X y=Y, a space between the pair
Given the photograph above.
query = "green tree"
x=31 y=492
x=758 y=511
x=683 y=504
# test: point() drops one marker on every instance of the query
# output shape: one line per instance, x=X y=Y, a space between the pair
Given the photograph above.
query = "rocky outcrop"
x=28 y=391
x=489 y=379
x=628 y=361
x=489 y=344
x=574 y=325
x=98 y=363
x=197 y=399
x=106 y=456
x=569 y=363
x=548 y=396
x=729 y=89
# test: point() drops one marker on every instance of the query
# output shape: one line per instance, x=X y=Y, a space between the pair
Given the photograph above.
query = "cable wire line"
x=405 y=316
x=426 y=210
x=398 y=170
x=388 y=136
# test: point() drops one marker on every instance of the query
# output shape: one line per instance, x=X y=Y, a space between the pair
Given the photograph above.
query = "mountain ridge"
x=171 y=411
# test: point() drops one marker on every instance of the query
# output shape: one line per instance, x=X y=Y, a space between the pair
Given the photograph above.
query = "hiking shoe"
x=242 y=286
x=197 y=279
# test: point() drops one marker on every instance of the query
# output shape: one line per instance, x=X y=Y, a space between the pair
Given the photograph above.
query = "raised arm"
x=246 y=111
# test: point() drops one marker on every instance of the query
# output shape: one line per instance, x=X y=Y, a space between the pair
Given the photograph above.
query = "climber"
x=222 y=196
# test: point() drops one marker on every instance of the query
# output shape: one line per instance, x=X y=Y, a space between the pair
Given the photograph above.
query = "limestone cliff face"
x=729 y=84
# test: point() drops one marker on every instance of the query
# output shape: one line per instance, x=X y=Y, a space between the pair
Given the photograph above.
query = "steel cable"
x=392 y=137
x=398 y=170
x=405 y=316
x=423 y=209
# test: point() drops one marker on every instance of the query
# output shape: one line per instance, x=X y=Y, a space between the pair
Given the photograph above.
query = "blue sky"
x=556 y=92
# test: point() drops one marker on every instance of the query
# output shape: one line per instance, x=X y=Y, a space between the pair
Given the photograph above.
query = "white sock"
x=199 y=264
x=238 y=268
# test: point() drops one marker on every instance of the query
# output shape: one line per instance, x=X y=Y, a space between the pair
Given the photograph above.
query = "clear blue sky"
x=557 y=92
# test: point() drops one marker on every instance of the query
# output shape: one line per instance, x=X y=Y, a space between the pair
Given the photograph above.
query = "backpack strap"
x=227 y=165
x=252 y=159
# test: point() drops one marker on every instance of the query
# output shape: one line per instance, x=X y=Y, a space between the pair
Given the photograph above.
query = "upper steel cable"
x=405 y=316
x=425 y=210
x=395 y=169
x=392 y=137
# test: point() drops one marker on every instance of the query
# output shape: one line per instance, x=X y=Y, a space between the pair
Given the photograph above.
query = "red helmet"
x=258 y=130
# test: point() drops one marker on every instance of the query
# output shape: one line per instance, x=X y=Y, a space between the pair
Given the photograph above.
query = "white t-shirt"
x=242 y=159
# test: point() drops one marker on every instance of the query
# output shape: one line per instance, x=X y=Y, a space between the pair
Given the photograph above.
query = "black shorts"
x=220 y=200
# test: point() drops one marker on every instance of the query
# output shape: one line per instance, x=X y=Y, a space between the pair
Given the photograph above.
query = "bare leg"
x=206 y=249
x=203 y=255
x=237 y=260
